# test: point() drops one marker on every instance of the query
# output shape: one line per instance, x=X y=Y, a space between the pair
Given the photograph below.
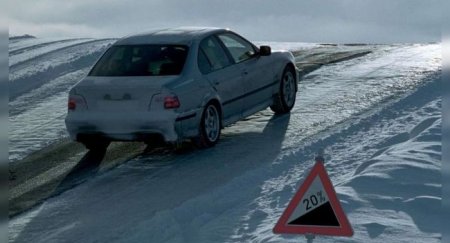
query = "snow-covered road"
x=376 y=116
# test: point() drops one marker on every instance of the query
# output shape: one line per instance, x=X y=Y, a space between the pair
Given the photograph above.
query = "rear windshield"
x=141 y=60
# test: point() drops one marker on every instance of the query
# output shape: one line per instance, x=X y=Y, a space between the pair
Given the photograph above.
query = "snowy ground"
x=37 y=115
x=378 y=118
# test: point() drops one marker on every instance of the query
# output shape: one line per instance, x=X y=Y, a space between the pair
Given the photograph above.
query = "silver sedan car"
x=177 y=84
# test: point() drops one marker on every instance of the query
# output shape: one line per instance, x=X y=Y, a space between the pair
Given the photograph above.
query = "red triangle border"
x=345 y=229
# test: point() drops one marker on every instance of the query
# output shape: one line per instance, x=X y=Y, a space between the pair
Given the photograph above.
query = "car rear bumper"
x=122 y=126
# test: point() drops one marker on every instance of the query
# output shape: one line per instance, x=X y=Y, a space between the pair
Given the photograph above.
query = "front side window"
x=212 y=56
x=141 y=60
x=239 y=48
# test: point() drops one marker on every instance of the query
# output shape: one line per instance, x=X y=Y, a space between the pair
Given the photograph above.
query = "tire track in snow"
x=47 y=55
x=21 y=50
x=36 y=51
x=350 y=87
x=33 y=73
x=27 y=42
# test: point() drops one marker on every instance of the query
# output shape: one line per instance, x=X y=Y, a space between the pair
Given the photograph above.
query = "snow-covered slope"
x=35 y=69
x=38 y=88
x=378 y=118
x=28 y=52
x=386 y=168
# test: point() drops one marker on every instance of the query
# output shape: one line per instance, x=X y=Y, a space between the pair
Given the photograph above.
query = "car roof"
x=181 y=35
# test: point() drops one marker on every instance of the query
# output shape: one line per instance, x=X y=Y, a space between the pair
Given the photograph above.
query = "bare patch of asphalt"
x=66 y=164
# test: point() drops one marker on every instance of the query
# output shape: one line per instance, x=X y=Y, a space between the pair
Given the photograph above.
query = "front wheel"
x=209 y=127
x=285 y=99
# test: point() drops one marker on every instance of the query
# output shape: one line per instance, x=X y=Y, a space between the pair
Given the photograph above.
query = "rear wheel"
x=209 y=127
x=94 y=143
x=285 y=99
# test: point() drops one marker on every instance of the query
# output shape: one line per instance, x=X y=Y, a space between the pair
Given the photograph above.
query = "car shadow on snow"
x=88 y=166
x=158 y=182
x=85 y=168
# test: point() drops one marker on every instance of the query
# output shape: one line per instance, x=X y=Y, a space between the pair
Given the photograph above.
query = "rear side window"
x=239 y=48
x=212 y=56
x=141 y=60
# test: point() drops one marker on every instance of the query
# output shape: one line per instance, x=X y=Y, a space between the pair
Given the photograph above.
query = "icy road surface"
x=377 y=117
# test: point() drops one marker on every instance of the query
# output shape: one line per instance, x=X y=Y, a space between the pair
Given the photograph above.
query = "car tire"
x=284 y=100
x=210 y=127
x=96 y=144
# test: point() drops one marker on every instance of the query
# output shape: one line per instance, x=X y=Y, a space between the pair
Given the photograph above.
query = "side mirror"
x=265 y=50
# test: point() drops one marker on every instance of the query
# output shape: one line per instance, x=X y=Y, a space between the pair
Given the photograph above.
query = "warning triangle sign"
x=315 y=208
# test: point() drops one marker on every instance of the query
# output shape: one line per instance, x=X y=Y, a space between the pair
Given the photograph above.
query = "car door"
x=256 y=72
x=218 y=69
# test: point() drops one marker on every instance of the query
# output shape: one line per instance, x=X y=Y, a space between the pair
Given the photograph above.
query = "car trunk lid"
x=125 y=94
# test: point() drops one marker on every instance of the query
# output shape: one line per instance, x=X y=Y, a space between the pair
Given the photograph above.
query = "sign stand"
x=310 y=238
x=315 y=208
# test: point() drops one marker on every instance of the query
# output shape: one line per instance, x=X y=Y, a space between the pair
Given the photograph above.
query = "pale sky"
x=330 y=21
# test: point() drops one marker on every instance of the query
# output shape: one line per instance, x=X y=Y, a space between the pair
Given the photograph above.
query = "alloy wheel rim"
x=289 y=89
x=212 y=123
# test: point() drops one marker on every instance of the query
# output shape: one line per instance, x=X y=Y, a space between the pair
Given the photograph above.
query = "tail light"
x=72 y=104
x=76 y=103
x=171 y=102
